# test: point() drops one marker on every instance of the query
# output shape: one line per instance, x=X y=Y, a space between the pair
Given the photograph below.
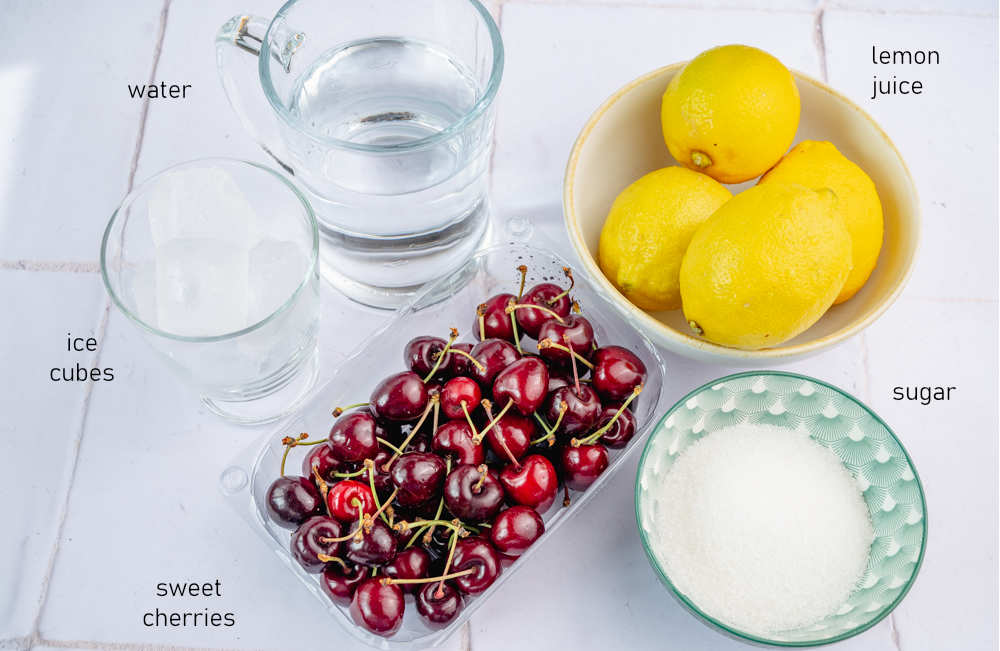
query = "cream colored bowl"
x=622 y=141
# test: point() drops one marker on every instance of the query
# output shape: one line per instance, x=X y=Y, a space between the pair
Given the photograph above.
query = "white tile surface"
x=564 y=60
x=947 y=135
x=954 y=447
x=67 y=123
x=40 y=426
x=144 y=506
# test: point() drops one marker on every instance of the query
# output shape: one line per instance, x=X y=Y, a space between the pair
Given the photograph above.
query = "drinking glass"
x=382 y=110
x=215 y=261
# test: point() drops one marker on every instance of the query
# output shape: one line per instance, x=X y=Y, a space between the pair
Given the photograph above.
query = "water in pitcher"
x=400 y=197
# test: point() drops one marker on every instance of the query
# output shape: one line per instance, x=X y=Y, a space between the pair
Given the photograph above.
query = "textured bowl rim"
x=661 y=573
x=685 y=340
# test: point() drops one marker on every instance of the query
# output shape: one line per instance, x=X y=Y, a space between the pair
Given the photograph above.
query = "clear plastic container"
x=449 y=302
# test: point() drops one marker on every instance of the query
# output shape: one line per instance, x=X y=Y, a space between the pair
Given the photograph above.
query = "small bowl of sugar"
x=780 y=509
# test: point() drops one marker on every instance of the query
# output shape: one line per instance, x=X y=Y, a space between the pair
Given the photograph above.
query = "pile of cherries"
x=438 y=482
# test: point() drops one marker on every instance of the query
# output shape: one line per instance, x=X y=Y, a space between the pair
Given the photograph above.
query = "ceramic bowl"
x=623 y=141
x=866 y=446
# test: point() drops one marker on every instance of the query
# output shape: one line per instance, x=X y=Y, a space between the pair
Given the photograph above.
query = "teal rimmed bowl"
x=837 y=420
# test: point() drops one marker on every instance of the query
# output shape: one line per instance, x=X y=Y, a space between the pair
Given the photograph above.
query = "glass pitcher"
x=383 y=112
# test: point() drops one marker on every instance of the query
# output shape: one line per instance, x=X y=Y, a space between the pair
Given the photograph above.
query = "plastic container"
x=449 y=302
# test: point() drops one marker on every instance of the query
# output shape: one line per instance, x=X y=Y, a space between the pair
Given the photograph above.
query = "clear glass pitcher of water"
x=383 y=112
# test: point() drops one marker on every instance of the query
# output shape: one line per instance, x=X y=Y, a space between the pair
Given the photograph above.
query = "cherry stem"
x=548 y=343
x=493 y=421
x=455 y=525
x=481 y=317
x=370 y=466
x=531 y=306
x=447 y=565
x=544 y=424
x=346 y=475
x=416 y=428
x=468 y=418
x=290 y=443
x=322 y=488
x=388 y=445
x=339 y=410
x=565 y=495
x=500 y=436
x=475 y=362
x=432 y=579
x=590 y=438
x=381 y=509
x=331 y=559
x=441 y=354
x=483 y=471
x=524 y=276
x=437 y=514
x=513 y=325
x=572 y=359
x=572 y=281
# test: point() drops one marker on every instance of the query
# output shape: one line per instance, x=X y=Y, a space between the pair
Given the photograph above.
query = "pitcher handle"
x=244 y=34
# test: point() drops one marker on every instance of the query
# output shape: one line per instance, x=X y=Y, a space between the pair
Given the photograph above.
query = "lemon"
x=765 y=266
x=648 y=230
x=819 y=165
x=731 y=113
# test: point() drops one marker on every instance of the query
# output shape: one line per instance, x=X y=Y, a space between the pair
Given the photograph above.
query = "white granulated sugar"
x=762 y=528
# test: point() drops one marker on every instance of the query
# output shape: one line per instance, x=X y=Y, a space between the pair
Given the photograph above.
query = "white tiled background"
x=108 y=488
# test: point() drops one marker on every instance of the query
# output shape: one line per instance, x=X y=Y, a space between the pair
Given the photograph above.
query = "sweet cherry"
x=438 y=606
x=478 y=554
x=473 y=493
x=515 y=529
x=455 y=438
x=378 y=607
x=534 y=484
x=339 y=582
x=292 y=500
x=456 y=391
x=354 y=436
x=402 y=396
x=583 y=464
x=412 y=563
x=492 y=320
x=617 y=371
x=348 y=499
x=311 y=540
x=524 y=383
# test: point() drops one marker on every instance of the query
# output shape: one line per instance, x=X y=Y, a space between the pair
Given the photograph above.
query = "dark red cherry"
x=456 y=391
x=515 y=529
x=496 y=322
x=476 y=553
x=420 y=354
x=307 y=546
x=321 y=456
x=534 y=484
x=412 y=563
x=454 y=438
x=513 y=433
x=459 y=364
x=579 y=331
x=583 y=465
x=375 y=547
x=438 y=603
x=354 y=436
x=471 y=495
x=402 y=396
x=377 y=607
x=348 y=499
x=292 y=500
x=617 y=371
x=583 y=408
x=418 y=476
x=525 y=382
x=493 y=355
x=559 y=377
x=623 y=429
x=544 y=294
x=339 y=584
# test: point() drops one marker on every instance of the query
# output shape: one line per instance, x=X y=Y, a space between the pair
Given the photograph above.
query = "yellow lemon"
x=765 y=266
x=819 y=165
x=731 y=113
x=648 y=230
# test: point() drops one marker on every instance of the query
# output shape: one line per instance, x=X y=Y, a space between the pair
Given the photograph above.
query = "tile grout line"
x=101 y=330
x=125 y=646
x=654 y=4
x=50 y=265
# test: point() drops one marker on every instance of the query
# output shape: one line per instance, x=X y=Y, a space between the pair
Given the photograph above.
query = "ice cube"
x=277 y=268
x=201 y=202
x=201 y=286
